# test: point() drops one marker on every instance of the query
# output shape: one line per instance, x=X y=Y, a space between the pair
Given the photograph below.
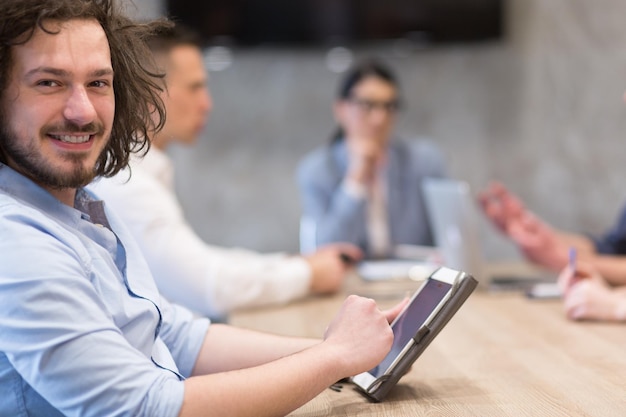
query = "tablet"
x=428 y=311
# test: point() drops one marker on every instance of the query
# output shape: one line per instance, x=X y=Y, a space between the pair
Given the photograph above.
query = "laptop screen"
x=454 y=222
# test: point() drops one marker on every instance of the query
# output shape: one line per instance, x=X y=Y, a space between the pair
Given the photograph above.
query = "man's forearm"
x=582 y=243
x=282 y=385
x=228 y=348
x=272 y=389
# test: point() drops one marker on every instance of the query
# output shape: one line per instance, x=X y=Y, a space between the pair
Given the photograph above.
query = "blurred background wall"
x=540 y=110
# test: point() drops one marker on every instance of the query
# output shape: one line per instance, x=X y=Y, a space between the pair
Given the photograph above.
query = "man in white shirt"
x=208 y=279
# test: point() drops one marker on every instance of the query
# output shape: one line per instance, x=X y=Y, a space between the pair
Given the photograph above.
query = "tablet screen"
x=407 y=325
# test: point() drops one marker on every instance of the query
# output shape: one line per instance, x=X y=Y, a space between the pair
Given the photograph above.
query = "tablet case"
x=379 y=389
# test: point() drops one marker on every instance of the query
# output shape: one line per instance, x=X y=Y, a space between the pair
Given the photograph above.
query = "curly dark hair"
x=139 y=110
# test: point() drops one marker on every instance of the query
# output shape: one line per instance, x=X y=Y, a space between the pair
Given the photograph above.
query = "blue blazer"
x=332 y=215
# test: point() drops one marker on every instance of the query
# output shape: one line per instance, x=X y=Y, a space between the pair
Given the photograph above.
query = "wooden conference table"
x=501 y=355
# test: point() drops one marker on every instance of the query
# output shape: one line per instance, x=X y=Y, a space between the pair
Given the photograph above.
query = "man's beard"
x=29 y=160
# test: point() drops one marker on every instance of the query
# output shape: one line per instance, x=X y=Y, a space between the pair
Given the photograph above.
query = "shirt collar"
x=24 y=189
x=156 y=164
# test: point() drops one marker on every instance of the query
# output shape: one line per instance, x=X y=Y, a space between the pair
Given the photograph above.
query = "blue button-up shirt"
x=83 y=329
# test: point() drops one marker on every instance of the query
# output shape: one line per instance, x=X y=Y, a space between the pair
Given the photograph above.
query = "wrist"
x=361 y=171
x=337 y=359
x=620 y=309
x=354 y=188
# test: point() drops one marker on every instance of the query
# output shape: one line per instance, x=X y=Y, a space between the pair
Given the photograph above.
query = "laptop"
x=453 y=219
x=459 y=231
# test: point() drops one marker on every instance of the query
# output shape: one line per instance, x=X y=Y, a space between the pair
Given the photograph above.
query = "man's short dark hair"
x=139 y=110
x=163 y=40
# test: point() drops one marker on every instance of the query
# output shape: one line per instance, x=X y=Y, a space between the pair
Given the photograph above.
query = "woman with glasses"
x=364 y=187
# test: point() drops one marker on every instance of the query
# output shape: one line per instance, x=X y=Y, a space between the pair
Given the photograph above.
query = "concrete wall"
x=541 y=111
x=145 y=9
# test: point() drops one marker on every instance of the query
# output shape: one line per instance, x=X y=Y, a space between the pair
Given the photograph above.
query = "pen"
x=572 y=258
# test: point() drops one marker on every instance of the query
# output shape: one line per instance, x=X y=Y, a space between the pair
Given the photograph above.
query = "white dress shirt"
x=377 y=222
x=379 y=245
x=207 y=279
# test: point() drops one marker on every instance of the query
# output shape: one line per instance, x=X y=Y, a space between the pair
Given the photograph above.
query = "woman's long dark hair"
x=367 y=68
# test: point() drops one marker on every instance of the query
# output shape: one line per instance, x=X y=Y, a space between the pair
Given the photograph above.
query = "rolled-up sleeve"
x=183 y=334
x=59 y=339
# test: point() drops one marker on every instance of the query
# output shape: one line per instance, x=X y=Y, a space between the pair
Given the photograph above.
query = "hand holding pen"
x=567 y=277
x=586 y=295
x=572 y=259
x=575 y=271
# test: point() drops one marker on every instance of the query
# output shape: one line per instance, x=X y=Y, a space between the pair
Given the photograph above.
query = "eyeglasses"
x=367 y=106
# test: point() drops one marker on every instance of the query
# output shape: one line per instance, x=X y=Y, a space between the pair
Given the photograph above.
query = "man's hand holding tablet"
x=420 y=320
